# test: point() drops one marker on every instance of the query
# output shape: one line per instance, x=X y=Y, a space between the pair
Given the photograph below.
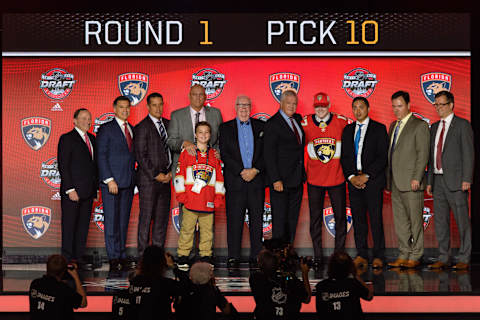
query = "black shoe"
x=207 y=259
x=115 y=265
x=233 y=263
x=85 y=266
x=128 y=264
x=182 y=263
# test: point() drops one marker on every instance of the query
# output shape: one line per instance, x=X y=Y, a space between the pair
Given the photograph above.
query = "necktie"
x=197 y=118
x=245 y=123
x=357 y=138
x=163 y=135
x=440 y=147
x=295 y=131
x=128 y=137
x=395 y=134
x=88 y=145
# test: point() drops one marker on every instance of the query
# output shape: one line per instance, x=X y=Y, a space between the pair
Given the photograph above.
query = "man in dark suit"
x=364 y=159
x=116 y=166
x=284 y=142
x=153 y=174
x=79 y=185
x=241 y=148
x=450 y=173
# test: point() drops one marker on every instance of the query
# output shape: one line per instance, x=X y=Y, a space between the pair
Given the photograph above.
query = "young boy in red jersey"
x=199 y=187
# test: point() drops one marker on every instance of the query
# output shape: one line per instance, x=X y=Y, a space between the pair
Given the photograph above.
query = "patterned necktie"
x=163 y=135
x=395 y=134
x=88 y=144
x=128 y=137
x=197 y=118
x=357 y=139
x=295 y=131
x=440 y=147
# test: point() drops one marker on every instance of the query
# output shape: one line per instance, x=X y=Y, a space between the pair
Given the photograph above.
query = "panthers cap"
x=321 y=100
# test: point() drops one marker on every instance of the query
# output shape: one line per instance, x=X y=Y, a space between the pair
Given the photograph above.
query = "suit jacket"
x=180 y=129
x=232 y=159
x=77 y=168
x=374 y=157
x=150 y=151
x=410 y=155
x=114 y=158
x=457 y=154
x=284 y=156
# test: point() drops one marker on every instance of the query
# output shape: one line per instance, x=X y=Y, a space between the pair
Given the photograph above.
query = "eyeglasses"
x=243 y=105
x=436 y=105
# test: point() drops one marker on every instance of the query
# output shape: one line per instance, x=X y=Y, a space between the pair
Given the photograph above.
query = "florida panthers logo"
x=50 y=174
x=57 y=83
x=324 y=148
x=134 y=86
x=36 y=220
x=202 y=172
x=434 y=82
x=329 y=220
x=98 y=217
x=283 y=81
x=104 y=118
x=36 y=131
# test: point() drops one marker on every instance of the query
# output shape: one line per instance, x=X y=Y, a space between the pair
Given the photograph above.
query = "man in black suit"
x=364 y=159
x=153 y=174
x=79 y=185
x=284 y=143
x=241 y=148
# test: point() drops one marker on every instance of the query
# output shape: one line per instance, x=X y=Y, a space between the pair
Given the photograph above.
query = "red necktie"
x=128 y=137
x=295 y=131
x=440 y=147
x=88 y=145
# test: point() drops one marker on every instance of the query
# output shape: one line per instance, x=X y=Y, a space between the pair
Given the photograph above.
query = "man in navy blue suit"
x=116 y=166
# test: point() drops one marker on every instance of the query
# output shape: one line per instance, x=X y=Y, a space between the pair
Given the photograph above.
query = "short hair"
x=121 y=98
x=56 y=265
x=340 y=266
x=243 y=96
x=203 y=123
x=154 y=95
x=402 y=94
x=77 y=112
x=153 y=262
x=363 y=99
x=201 y=272
x=288 y=93
x=267 y=262
x=448 y=95
x=197 y=85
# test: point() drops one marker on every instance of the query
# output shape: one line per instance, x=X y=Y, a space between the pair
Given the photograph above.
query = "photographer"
x=338 y=297
x=51 y=297
x=278 y=293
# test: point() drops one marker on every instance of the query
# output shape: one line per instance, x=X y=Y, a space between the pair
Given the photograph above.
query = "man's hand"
x=73 y=272
x=278 y=186
x=429 y=190
x=73 y=196
x=164 y=178
x=359 y=181
x=112 y=187
x=190 y=147
x=466 y=186
x=415 y=184
x=217 y=154
x=248 y=174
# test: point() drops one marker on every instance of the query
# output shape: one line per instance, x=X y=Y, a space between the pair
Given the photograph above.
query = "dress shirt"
x=324 y=119
x=122 y=126
x=155 y=121
x=402 y=125
x=245 y=141
x=287 y=119
x=360 y=143
x=84 y=136
x=448 y=121
x=202 y=117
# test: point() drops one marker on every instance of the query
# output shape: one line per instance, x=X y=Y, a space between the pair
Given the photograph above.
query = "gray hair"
x=288 y=93
x=243 y=96
x=201 y=272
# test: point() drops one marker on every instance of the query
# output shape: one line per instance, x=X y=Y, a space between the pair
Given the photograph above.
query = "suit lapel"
x=286 y=126
x=120 y=132
x=235 y=139
x=188 y=117
x=450 y=132
x=405 y=131
x=153 y=129
x=80 y=140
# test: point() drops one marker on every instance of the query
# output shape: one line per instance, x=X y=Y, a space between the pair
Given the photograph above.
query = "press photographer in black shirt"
x=278 y=293
x=338 y=297
x=51 y=297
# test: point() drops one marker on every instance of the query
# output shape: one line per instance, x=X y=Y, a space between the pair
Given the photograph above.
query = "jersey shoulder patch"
x=304 y=122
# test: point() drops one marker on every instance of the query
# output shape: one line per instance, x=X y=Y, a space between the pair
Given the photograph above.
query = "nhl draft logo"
x=427 y=216
x=36 y=220
x=50 y=174
x=36 y=131
x=267 y=218
x=261 y=116
x=434 y=82
x=57 y=83
x=283 y=81
x=359 y=82
x=212 y=80
x=98 y=217
x=329 y=220
x=134 y=86
x=104 y=118
x=421 y=117
x=324 y=148
x=176 y=219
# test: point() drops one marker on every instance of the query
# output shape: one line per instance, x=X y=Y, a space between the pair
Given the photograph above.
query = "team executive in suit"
x=450 y=174
x=283 y=150
x=153 y=174
x=116 y=165
x=79 y=185
x=241 y=148
x=408 y=156
x=364 y=160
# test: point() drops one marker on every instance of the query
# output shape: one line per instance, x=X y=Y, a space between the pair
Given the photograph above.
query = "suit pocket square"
x=260 y=134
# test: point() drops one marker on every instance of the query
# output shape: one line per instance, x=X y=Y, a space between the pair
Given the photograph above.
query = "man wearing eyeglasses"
x=241 y=149
x=450 y=173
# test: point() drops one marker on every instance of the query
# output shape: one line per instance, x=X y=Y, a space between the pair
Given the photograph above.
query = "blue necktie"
x=357 y=139
x=395 y=134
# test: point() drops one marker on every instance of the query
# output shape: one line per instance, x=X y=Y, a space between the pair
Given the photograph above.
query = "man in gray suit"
x=450 y=173
x=182 y=124
x=407 y=159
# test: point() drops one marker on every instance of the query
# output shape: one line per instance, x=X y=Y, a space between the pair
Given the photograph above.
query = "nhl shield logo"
x=324 y=148
x=434 y=82
x=283 y=81
x=329 y=220
x=134 y=86
x=36 y=131
x=36 y=220
x=50 y=174
x=176 y=219
x=98 y=217
x=267 y=218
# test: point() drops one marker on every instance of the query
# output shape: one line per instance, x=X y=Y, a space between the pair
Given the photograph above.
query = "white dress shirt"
x=84 y=136
x=360 y=142
x=201 y=118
